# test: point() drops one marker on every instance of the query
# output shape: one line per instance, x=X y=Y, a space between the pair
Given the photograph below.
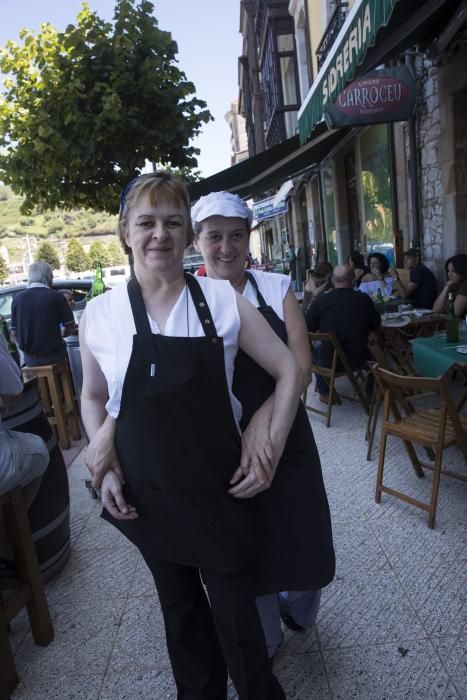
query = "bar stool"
x=57 y=398
x=25 y=587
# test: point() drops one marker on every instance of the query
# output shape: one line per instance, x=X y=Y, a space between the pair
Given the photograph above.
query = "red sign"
x=380 y=96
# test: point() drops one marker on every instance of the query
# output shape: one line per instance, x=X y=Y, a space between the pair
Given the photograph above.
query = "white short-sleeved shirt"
x=110 y=328
x=272 y=286
x=372 y=287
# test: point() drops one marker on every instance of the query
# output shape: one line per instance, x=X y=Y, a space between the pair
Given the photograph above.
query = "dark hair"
x=384 y=264
x=322 y=269
x=459 y=263
x=357 y=259
x=156 y=184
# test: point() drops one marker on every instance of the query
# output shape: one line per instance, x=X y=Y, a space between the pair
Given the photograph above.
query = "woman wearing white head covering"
x=299 y=559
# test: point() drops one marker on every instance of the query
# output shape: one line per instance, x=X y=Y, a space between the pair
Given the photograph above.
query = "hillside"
x=55 y=226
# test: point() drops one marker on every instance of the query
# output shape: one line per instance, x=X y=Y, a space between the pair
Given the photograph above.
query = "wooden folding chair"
x=435 y=428
x=25 y=586
x=330 y=374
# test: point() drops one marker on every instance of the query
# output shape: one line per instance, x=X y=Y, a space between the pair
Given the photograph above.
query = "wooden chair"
x=435 y=428
x=58 y=399
x=25 y=586
x=332 y=373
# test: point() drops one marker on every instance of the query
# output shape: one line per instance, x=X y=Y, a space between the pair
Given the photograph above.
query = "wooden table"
x=397 y=341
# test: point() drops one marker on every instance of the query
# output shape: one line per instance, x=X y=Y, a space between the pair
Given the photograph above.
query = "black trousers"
x=205 y=639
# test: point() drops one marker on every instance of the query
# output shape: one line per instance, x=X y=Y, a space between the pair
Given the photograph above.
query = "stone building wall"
x=432 y=194
x=442 y=152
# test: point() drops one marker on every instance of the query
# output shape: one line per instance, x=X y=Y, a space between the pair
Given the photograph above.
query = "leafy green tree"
x=3 y=269
x=98 y=253
x=47 y=252
x=116 y=254
x=76 y=258
x=83 y=109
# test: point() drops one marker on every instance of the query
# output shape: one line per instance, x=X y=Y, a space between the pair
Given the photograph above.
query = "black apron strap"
x=143 y=327
x=201 y=306
x=254 y=284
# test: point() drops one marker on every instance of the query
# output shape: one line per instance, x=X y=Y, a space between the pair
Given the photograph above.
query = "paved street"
x=391 y=625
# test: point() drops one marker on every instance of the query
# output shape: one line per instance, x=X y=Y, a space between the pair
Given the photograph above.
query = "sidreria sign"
x=386 y=95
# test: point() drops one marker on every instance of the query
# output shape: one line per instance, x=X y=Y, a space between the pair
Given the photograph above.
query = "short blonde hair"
x=157 y=185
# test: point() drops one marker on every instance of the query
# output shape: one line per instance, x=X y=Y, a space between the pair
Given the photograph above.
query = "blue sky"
x=209 y=44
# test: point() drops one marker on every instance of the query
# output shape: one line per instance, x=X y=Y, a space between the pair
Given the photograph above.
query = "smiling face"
x=223 y=243
x=157 y=234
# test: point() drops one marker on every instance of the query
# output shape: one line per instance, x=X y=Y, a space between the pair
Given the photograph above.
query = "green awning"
x=357 y=34
x=375 y=31
x=266 y=171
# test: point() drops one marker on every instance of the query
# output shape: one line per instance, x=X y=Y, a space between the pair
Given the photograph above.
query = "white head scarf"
x=220 y=204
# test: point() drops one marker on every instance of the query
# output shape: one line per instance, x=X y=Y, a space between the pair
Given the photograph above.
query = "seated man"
x=23 y=457
x=422 y=288
x=36 y=317
x=351 y=316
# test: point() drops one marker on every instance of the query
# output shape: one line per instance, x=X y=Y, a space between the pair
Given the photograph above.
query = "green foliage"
x=116 y=254
x=3 y=269
x=47 y=252
x=98 y=253
x=76 y=258
x=83 y=109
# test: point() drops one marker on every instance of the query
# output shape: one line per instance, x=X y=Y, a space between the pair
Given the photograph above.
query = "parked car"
x=192 y=261
x=79 y=288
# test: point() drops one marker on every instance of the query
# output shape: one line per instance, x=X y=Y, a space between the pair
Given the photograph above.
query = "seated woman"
x=357 y=263
x=318 y=283
x=456 y=275
x=379 y=276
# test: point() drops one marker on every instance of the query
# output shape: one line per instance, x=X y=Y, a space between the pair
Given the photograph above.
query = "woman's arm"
x=259 y=341
x=93 y=399
x=441 y=303
x=297 y=338
x=256 y=440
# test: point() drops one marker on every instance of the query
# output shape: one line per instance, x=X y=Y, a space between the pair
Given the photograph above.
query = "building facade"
x=381 y=186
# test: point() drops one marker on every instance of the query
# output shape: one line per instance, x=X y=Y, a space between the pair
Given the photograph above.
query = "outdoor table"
x=433 y=356
x=397 y=340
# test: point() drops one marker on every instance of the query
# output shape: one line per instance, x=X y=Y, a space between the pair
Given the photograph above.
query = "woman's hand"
x=257 y=449
x=113 y=500
x=101 y=455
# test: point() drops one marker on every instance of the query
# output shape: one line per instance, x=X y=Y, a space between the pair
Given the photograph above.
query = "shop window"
x=329 y=206
x=376 y=186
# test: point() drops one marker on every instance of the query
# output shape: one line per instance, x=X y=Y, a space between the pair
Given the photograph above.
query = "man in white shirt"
x=23 y=456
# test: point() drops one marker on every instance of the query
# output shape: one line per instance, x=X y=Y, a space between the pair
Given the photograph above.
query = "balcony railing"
x=332 y=30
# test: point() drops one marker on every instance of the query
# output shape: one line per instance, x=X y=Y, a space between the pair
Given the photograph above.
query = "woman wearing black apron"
x=298 y=557
x=158 y=356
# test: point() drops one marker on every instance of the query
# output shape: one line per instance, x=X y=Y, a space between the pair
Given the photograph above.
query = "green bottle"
x=98 y=286
x=379 y=302
x=5 y=331
x=452 y=326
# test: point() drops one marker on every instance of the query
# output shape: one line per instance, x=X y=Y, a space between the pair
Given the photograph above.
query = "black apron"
x=178 y=446
x=299 y=552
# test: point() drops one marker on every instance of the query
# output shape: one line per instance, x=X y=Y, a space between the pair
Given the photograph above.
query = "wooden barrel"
x=49 y=514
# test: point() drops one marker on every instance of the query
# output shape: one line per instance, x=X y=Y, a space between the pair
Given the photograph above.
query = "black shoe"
x=288 y=619
x=7 y=568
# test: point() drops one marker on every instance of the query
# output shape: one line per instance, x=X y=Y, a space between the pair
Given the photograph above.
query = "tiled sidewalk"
x=391 y=625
